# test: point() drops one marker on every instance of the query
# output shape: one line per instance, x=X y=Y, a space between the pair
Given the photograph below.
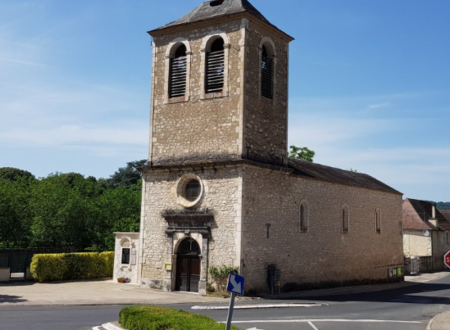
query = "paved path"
x=102 y=292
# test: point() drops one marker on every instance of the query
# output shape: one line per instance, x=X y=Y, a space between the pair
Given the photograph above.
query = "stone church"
x=219 y=187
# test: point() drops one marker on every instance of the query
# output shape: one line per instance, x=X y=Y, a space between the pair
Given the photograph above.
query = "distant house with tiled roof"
x=426 y=232
x=446 y=214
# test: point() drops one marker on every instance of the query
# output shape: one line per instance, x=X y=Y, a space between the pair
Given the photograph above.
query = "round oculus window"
x=189 y=190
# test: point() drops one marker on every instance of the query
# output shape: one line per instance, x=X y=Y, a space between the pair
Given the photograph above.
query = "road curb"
x=108 y=326
x=440 y=321
x=430 y=324
x=258 y=306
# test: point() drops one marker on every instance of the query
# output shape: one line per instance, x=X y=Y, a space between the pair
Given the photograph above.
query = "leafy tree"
x=443 y=205
x=65 y=211
x=127 y=176
x=119 y=212
x=13 y=174
x=301 y=153
x=68 y=209
x=15 y=213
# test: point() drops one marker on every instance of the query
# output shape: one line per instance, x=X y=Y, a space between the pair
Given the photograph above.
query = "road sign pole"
x=230 y=311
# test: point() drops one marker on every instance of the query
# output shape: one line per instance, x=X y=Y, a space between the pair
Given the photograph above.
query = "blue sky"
x=369 y=85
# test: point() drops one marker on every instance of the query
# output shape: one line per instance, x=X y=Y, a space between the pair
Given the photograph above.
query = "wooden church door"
x=188 y=266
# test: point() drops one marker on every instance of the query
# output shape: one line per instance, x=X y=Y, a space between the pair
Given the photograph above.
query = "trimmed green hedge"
x=163 y=318
x=71 y=266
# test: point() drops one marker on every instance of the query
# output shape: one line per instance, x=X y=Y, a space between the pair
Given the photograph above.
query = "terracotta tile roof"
x=421 y=213
x=336 y=175
x=413 y=219
x=446 y=214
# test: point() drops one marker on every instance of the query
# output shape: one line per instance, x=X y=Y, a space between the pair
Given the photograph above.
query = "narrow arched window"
x=266 y=74
x=344 y=220
x=215 y=59
x=177 y=73
x=303 y=218
x=378 y=221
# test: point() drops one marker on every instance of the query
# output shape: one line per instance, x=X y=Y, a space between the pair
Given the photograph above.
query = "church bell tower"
x=219 y=87
x=218 y=116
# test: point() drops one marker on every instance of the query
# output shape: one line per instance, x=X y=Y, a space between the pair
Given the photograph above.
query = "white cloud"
x=379 y=105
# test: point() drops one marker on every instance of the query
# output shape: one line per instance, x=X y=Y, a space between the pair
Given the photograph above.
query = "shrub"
x=107 y=259
x=220 y=275
x=48 y=267
x=69 y=266
x=162 y=318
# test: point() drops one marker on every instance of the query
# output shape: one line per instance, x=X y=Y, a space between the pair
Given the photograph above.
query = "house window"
x=344 y=219
x=125 y=255
x=378 y=221
x=215 y=62
x=266 y=74
x=304 y=221
x=177 y=73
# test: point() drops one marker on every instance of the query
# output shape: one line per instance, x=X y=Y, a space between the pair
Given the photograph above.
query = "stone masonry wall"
x=265 y=137
x=198 y=128
x=324 y=253
x=222 y=191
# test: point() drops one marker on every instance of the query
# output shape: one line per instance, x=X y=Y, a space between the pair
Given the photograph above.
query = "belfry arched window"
x=266 y=73
x=215 y=63
x=177 y=73
x=304 y=217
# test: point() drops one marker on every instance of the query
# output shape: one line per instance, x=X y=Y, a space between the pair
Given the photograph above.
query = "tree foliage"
x=303 y=153
x=68 y=209
x=15 y=213
x=127 y=176
x=13 y=174
x=443 y=205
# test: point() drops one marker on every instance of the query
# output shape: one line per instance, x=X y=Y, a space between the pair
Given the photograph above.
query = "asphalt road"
x=408 y=308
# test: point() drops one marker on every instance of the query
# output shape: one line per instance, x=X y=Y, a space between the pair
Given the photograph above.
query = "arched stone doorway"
x=188 y=266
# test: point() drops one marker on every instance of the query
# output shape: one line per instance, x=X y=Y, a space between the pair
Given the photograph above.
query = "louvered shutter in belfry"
x=214 y=71
x=266 y=76
x=177 y=78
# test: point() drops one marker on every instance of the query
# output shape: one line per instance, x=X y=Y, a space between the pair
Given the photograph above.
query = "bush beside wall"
x=159 y=318
x=71 y=266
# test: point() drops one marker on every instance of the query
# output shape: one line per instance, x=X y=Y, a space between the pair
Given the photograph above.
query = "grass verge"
x=163 y=318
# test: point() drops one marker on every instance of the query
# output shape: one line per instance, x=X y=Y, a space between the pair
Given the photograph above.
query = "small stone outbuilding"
x=126 y=259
